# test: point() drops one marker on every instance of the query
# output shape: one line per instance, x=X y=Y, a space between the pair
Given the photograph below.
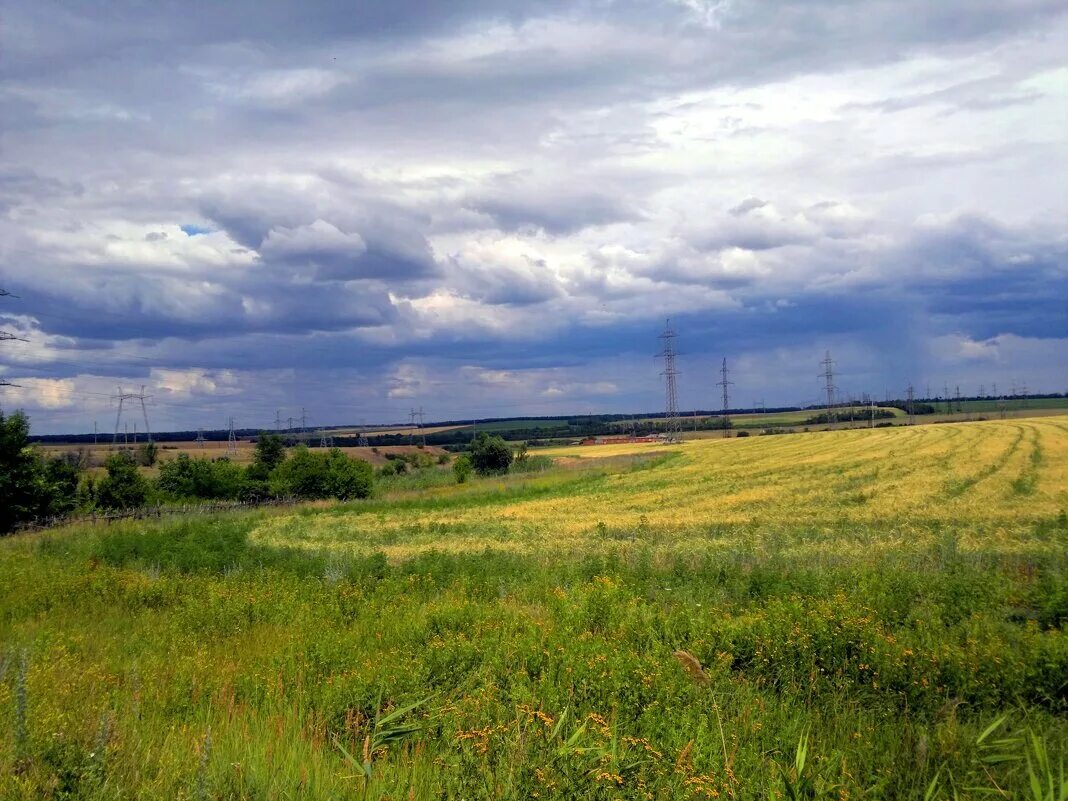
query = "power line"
x=670 y=373
x=828 y=376
x=122 y=397
x=725 y=384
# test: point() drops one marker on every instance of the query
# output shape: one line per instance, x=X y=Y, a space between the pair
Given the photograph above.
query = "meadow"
x=874 y=613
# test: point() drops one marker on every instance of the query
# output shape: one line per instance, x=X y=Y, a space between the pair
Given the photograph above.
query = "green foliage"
x=270 y=452
x=313 y=475
x=147 y=454
x=277 y=653
x=123 y=487
x=490 y=454
x=348 y=478
x=462 y=468
x=31 y=485
x=211 y=479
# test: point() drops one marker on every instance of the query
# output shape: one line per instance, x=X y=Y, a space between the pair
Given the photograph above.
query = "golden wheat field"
x=983 y=478
x=871 y=613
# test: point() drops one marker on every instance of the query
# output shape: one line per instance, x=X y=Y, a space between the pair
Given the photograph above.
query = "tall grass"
x=473 y=653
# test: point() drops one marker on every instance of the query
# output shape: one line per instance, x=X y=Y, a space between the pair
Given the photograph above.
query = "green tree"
x=185 y=477
x=148 y=453
x=20 y=467
x=321 y=475
x=123 y=487
x=59 y=484
x=490 y=455
x=270 y=451
x=348 y=478
x=461 y=468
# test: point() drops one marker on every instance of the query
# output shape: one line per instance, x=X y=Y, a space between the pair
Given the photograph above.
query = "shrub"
x=185 y=477
x=490 y=455
x=123 y=487
x=147 y=454
x=348 y=478
x=462 y=467
x=30 y=485
x=321 y=475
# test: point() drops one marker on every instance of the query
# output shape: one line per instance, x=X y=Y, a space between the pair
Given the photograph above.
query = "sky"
x=489 y=208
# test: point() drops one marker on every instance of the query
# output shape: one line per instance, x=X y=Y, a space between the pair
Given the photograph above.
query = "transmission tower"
x=910 y=407
x=960 y=408
x=277 y=419
x=231 y=440
x=362 y=441
x=325 y=439
x=122 y=397
x=200 y=437
x=945 y=397
x=303 y=422
x=670 y=373
x=6 y=336
x=828 y=376
x=725 y=384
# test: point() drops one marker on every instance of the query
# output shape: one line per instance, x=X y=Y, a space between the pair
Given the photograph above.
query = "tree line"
x=34 y=485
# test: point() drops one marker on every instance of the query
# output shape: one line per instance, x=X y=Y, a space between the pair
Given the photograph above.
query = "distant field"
x=376 y=455
x=772 y=419
x=1011 y=405
x=642 y=622
x=517 y=425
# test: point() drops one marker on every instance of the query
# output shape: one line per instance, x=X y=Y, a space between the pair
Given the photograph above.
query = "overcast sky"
x=489 y=208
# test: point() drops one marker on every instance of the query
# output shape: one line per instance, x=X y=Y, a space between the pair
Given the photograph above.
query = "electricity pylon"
x=670 y=373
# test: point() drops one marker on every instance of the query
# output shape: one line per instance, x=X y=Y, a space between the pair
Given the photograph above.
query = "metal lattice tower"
x=422 y=434
x=362 y=441
x=828 y=377
x=129 y=396
x=945 y=395
x=911 y=396
x=725 y=384
x=960 y=408
x=5 y=335
x=200 y=437
x=325 y=439
x=670 y=373
x=277 y=419
x=231 y=440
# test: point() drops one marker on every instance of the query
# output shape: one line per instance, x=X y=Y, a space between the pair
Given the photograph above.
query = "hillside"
x=882 y=596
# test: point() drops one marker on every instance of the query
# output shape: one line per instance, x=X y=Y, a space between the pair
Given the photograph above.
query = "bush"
x=322 y=475
x=123 y=487
x=147 y=454
x=185 y=477
x=462 y=468
x=30 y=485
x=348 y=478
x=490 y=455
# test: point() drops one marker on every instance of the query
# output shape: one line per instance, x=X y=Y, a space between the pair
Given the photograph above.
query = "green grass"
x=518 y=425
x=1010 y=404
x=188 y=659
